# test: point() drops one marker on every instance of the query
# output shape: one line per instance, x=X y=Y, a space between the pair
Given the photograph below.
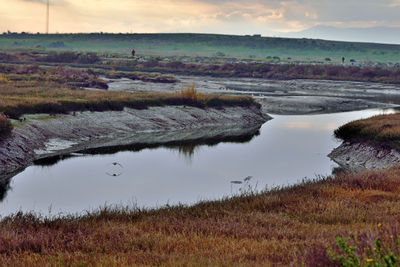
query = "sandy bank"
x=65 y=134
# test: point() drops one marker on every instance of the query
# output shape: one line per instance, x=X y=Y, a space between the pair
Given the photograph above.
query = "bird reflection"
x=115 y=172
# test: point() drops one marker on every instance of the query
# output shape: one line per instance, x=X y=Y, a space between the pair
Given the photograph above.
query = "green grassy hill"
x=207 y=45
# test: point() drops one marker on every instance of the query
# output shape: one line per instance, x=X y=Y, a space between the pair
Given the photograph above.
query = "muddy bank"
x=285 y=97
x=302 y=105
x=363 y=156
x=39 y=138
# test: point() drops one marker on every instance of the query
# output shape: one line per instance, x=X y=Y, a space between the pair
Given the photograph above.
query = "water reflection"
x=186 y=148
x=314 y=126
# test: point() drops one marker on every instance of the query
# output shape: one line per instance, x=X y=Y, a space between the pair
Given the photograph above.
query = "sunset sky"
x=266 y=17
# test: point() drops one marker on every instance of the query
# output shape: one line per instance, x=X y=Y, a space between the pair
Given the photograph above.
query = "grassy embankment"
x=382 y=130
x=280 y=227
x=32 y=90
x=206 y=45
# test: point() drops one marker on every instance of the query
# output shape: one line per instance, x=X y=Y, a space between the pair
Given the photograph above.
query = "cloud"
x=219 y=16
x=51 y=2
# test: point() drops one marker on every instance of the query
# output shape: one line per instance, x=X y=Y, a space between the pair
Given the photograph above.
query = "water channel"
x=286 y=150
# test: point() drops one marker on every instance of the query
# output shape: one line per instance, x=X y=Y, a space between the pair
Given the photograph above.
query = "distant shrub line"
x=255 y=70
x=283 y=71
x=61 y=75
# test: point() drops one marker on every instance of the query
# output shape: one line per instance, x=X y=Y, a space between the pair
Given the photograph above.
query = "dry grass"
x=281 y=227
x=23 y=95
x=382 y=129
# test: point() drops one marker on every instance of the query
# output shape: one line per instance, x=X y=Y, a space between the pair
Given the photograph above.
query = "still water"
x=288 y=149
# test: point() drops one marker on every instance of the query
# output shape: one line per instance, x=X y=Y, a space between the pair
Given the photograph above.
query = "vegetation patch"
x=63 y=76
x=382 y=129
x=70 y=57
x=282 y=71
x=378 y=249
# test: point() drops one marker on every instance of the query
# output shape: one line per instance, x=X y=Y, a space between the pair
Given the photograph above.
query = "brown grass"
x=382 y=129
x=35 y=96
x=281 y=227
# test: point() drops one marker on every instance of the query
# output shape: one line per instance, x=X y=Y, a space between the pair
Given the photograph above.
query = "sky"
x=266 y=17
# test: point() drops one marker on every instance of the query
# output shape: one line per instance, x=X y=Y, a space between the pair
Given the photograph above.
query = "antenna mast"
x=47 y=17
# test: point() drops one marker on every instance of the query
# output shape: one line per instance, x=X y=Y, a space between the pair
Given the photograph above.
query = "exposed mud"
x=66 y=134
x=364 y=156
x=286 y=97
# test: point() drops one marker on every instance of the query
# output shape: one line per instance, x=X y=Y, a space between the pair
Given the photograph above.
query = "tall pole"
x=47 y=17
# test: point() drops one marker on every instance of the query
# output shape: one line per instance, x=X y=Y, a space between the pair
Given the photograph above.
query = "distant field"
x=207 y=45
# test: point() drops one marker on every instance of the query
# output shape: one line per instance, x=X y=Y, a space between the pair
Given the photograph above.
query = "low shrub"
x=71 y=57
x=364 y=251
x=378 y=247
